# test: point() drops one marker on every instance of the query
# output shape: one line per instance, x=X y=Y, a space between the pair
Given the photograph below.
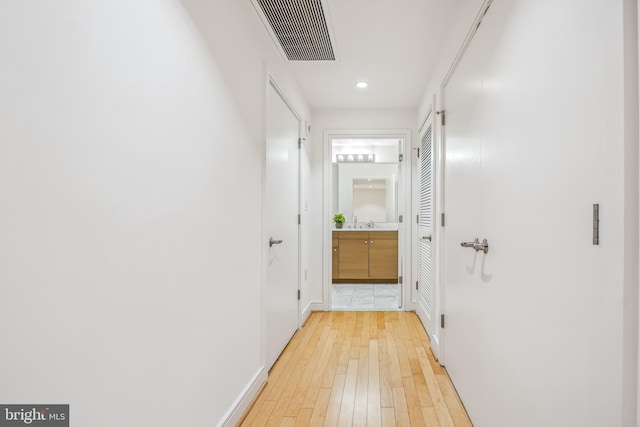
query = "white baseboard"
x=312 y=306
x=240 y=406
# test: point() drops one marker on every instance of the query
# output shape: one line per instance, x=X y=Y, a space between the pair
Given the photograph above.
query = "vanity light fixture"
x=356 y=158
x=362 y=84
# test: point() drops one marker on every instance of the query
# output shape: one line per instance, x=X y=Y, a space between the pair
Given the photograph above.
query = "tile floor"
x=364 y=297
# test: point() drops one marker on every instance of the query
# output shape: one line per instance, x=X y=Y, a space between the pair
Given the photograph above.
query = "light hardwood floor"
x=358 y=369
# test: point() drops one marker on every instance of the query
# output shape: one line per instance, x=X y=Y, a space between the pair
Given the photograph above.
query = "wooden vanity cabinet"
x=365 y=256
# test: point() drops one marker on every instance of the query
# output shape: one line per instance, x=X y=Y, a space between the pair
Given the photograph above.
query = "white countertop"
x=383 y=226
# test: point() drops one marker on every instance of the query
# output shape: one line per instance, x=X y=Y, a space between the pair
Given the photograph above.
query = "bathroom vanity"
x=360 y=256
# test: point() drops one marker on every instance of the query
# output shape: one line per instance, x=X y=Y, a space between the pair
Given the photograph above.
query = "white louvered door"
x=426 y=292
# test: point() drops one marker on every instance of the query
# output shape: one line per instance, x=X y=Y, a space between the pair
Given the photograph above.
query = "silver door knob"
x=477 y=245
x=272 y=241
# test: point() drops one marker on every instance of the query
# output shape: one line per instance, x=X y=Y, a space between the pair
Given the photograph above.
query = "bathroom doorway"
x=366 y=262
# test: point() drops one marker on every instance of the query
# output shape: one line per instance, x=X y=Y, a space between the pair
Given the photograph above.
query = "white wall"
x=604 y=116
x=341 y=120
x=131 y=160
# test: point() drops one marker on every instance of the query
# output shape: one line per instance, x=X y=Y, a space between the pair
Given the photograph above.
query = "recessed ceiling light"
x=362 y=85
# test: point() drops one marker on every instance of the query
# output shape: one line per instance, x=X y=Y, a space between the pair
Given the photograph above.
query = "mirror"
x=366 y=189
x=370 y=199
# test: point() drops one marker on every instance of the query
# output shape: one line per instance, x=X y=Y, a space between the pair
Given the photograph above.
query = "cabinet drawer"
x=383 y=234
x=354 y=235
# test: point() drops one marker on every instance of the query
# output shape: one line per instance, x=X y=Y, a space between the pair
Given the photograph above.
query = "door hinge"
x=596 y=224
x=298 y=294
x=401 y=157
x=442 y=321
x=416 y=285
x=400 y=280
x=441 y=113
x=442 y=219
x=400 y=219
x=299 y=219
x=417 y=219
x=300 y=143
x=418 y=150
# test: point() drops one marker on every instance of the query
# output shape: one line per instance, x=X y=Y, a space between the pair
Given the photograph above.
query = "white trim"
x=467 y=40
x=437 y=344
x=244 y=400
x=311 y=307
x=404 y=229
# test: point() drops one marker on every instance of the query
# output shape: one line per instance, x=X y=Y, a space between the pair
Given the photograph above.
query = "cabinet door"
x=353 y=256
x=383 y=256
x=335 y=259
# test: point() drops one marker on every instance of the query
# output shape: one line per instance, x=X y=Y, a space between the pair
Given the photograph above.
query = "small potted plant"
x=339 y=220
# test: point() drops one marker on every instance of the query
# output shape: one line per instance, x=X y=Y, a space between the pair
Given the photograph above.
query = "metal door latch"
x=484 y=246
x=273 y=241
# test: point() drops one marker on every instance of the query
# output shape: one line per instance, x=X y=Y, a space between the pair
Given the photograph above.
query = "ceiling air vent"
x=299 y=27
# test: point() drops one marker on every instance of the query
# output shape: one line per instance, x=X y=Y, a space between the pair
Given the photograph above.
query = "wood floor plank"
x=442 y=411
x=395 y=373
x=413 y=403
x=373 y=390
x=430 y=417
x=320 y=410
x=335 y=401
x=400 y=407
x=316 y=380
x=259 y=415
x=285 y=365
x=357 y=335
x=288 y=422
x=456 y=409
x=388 y=417
x=332 y=365
x=349 y=394
x=362 y=384
x=386 y=395
x=308 y=361
x=401 y=336
x=345 y=353
x=358 y=369
x=423 y=391
x=304 y=417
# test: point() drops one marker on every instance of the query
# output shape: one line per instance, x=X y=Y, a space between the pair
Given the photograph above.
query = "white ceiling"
x=388 y=43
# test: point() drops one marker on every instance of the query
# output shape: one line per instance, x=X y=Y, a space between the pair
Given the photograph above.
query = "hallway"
x=146 y=260
x=358 y=368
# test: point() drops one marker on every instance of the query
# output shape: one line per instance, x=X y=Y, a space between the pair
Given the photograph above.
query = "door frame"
x=271 y=81
x=404 y=208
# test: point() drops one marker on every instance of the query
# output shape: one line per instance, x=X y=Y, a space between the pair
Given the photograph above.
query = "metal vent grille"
x=300 y=27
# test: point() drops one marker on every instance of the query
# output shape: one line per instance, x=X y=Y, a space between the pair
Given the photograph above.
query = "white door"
x=529 y=323
x=426 y=291
x=281 y=225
